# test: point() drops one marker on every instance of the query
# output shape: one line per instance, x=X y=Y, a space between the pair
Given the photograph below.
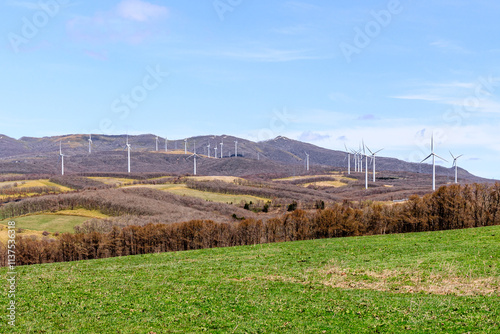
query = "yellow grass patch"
x=114 y=181
x=182 y=190
x=335 y=184
x=411 y=281
x=81 y=213
x=228 y=179
x=4 y=236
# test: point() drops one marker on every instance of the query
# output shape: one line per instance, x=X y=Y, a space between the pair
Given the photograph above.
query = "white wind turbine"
x=361 y=159
x=307 y=161
x=185 y=146
x=355 y=160
x=455 y=165
x=221 y=145
x=374 y=155
x=366 y=169
x=433 y=155
x=215 y=149
x=90 y=143
x=157 y=141
x=235 y=148
x=166 y=144
x=127 y=147
x=61 y=155
x=258 y=156
x=208 y=149
x=348 y=160
x=194 y=155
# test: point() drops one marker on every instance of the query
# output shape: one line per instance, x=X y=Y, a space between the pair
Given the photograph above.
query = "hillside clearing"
x=182 y=190
x=48 y=222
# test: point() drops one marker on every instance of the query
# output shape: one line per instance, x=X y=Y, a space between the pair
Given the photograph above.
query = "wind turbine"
x=355 y=160
x=374 y=154
x=366 y=169
x=235 y=148
x=194 y=155
x=61 y=155
x=348 y=160
x=221 y=144
x=208 y=149
x=455 y=165
x=307 y=161
x=166 y=144
x=127 y=147
x=157 y=141
x=361 y=158
x=185 y=146
x=215 y=149
x=433 y=155
x=258 y=155
x=90 y=143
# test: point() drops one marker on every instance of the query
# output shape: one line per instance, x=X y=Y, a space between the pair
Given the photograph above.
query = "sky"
x=390 y=73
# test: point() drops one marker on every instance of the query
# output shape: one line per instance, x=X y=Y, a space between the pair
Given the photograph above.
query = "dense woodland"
x=452 y=207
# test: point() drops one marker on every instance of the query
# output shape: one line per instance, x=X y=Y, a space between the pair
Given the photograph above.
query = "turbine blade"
x=430 y=155
x=437 y=156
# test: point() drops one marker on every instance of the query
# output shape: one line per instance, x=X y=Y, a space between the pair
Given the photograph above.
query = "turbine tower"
x=194 y=155
x=166 y=144
x=61 y=155
x=307 y=161
x=221 y=145
x=235 y=148
x=208 y=149
x=455 y=165
x=157 y=141
x=366 y=169
x=433 y=155
x=90 y=143
x=215 y=149
x=127 y=147
x=185 y=146
x=374 y=155
x=348 y=160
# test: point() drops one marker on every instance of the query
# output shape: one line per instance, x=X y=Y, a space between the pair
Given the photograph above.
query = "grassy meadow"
x=437 y=282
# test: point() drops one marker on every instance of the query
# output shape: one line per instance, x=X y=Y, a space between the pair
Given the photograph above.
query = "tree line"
x=452 y=207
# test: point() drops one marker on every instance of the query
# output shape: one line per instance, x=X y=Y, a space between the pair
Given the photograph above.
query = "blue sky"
x=325 y=72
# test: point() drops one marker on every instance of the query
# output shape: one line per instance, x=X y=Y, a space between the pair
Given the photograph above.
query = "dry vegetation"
x=453 y=207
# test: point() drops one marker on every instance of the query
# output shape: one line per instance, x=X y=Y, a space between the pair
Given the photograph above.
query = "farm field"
x=114 y=181
x=62 y=221
x=47 y=222
x=183 y=190
x=437 y=282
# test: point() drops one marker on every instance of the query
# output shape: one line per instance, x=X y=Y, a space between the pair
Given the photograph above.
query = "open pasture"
x=438 y=282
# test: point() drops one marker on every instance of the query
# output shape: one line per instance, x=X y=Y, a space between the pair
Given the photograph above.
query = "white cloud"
x=131 y=21
x=449 y=46
x=141 y=11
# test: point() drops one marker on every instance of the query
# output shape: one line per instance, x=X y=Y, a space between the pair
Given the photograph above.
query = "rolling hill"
x=280 y=155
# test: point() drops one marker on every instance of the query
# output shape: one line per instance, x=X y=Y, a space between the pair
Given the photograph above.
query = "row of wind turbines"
x=359 y=155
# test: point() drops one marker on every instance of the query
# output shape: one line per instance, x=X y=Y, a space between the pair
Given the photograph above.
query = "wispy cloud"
x=141 y=11
x=483 y=96
x=449 y=46
x=310 y=136
x=260 y=54
x=131 y=21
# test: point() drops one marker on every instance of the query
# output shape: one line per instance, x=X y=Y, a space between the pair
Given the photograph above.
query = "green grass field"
x=441 y=282
x=47 y=222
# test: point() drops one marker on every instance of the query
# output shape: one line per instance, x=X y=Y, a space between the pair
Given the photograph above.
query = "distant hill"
x=280 y=155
